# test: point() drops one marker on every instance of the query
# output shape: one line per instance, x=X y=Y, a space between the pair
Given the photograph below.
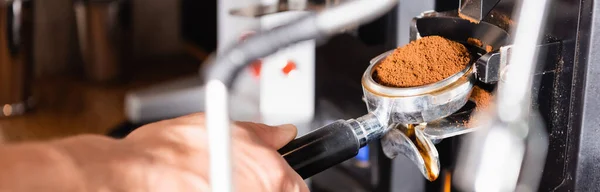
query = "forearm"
x=38 y=167
x=81 y=163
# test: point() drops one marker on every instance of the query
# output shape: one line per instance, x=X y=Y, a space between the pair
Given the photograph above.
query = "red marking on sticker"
x=289 y=67
x=255 y=68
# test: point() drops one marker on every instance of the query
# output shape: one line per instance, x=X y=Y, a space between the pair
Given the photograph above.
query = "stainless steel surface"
x=419 y=104
x=103 y=37
x=488 y=68
x=412 y=143
x=367 y=128
x=453 y=125
x=417 y=142
x=504 y=60
x=471 y=9
x=16 y=54
x=449 y=25
x=491 y=67
x=476 y=10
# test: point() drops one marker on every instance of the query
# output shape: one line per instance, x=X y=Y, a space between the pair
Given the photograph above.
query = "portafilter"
x=409 y=121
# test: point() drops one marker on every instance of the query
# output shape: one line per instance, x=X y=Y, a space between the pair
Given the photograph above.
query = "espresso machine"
x=538 y=136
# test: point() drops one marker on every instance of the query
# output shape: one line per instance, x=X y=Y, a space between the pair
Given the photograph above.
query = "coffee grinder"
x=563 y=93
x=555 y=52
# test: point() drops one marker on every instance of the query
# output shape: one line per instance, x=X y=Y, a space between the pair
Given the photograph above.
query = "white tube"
x=217 y=123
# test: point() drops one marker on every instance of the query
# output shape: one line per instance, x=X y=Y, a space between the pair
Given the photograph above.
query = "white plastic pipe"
x=219 y=139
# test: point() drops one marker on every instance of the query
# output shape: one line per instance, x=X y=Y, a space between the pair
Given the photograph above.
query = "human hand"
x=172 y=155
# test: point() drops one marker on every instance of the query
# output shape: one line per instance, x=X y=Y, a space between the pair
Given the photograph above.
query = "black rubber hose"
x=322 y=148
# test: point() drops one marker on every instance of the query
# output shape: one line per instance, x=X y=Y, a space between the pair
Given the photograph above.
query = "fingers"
x=295 y=182
x=274 y=136
x=258 y=167
x=193 y=127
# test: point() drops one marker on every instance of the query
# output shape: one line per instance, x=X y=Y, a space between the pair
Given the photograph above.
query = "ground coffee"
x=488 y=48
x=478 y=43
x=482 y=99
x=421 y=62
x=475 y=41
x=468 y=18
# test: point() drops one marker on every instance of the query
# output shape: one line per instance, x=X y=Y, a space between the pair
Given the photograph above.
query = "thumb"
x=274 y=136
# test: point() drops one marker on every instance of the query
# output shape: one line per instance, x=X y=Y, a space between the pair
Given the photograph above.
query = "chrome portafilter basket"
x=403 y=114
x=416 y=105
x=407 y=121
x=419 y=117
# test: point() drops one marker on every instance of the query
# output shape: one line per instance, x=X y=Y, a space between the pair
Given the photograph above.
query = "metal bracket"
x=476 y=10
x=490 y=67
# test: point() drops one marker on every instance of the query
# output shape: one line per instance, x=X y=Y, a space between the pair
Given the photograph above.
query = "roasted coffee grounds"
x=482 y=100
x=475 y=42
x=421 y=62
x=478 y=43
x=501 y=19
x=471 y=123
x=470 y=19
x=481 y=97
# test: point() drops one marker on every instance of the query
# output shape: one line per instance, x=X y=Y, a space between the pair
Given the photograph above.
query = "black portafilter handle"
x=321 y=149
x=328 y=146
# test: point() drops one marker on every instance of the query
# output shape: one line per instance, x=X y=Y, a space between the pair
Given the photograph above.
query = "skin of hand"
x=170 y=155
